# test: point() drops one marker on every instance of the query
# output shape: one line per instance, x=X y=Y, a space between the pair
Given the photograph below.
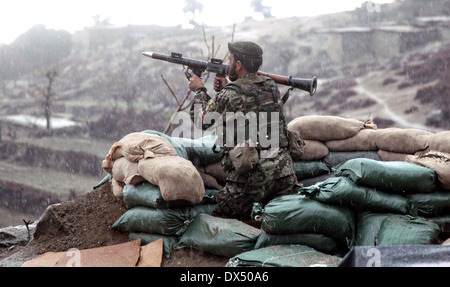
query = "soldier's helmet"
x=245 y=48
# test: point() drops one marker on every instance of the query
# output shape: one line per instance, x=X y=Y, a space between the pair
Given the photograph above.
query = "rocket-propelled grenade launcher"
x=217 y=66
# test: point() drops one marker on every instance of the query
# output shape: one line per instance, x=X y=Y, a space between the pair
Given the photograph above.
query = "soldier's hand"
x=219 y=82
x=195 y=82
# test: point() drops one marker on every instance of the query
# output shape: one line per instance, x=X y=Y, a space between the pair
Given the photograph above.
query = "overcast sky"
x=17 y=16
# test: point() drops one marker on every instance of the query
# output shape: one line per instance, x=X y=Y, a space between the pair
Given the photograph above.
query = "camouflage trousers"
x=236 y=200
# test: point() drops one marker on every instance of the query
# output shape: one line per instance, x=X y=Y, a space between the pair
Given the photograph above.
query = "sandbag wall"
x=403 y=187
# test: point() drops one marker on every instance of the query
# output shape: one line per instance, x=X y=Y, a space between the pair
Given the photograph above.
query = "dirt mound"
x=85 y=222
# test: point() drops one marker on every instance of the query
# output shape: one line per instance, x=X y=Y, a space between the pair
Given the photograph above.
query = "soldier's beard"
x=231 y=73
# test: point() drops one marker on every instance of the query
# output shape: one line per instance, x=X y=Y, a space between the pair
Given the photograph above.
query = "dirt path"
x=361 y=89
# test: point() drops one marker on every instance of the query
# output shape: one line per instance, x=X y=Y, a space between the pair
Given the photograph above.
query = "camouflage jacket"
x=232 y=100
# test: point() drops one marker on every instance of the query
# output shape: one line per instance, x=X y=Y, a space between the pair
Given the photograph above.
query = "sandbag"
x=199 y=151
x=437 y=161
x=142 y=219
x=440 y=142
x=314 y=180
x=319 y=242
x=335 y=158
x=343 y=191
x=407 y=230
x=126 y=171
x=393 y=177
x=219 y=236
x=398 y=140
x=368 y=226
x=136 y=146
x=291 y=214
x=392 y=156
x=284 y=256
x=432 y=204
x=327 y=128
x=176 y=177
x=314 y=150
x=364 y=140
x=149 y=195
x=169 y=242
x=310 y=169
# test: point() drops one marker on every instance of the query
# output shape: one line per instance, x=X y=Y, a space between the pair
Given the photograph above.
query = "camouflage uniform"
x=271 y=177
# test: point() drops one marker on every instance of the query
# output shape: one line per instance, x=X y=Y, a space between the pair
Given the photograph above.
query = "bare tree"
x=46 y=94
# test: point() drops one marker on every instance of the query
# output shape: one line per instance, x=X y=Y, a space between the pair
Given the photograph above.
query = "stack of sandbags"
x=150 y=216
x=331 y=140
x=297 y=219
x=139 y=157
x=385 y=196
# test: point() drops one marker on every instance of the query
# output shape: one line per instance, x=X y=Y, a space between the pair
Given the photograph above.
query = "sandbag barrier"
x=426 y=206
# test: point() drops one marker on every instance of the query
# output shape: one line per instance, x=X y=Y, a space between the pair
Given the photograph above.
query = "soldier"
x=247 y=92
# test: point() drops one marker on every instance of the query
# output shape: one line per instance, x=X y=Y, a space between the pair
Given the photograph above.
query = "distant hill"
x=103 y=75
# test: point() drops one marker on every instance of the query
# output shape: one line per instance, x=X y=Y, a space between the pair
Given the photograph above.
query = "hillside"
x=391 y=66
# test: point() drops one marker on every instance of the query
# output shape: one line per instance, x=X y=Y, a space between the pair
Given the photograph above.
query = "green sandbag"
x=343 y=191
x=169 y=242
x=219 y=236
x=290 y=214
x=199 y=151
x=315 y=180
x=393 y=177
x=160 y=221
x=432 y=204
x=368 y=226
x=149 y=195
x=335 y=158
x=407 y=230
x=319 y=242
x=310 y=169
x=284 y=256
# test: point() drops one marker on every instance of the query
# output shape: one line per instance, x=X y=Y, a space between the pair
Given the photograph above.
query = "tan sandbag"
x=446 y=242
x=392 y=156
x=314 y=150
x=136 y=146
x=364 y=140
x=437 y=161
x=126 y=171
x=398 y=140
x=117 y=187
x=328 y=128
x=119 y=255
x=176 y=177
x=217 y=171
x=440 y=142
